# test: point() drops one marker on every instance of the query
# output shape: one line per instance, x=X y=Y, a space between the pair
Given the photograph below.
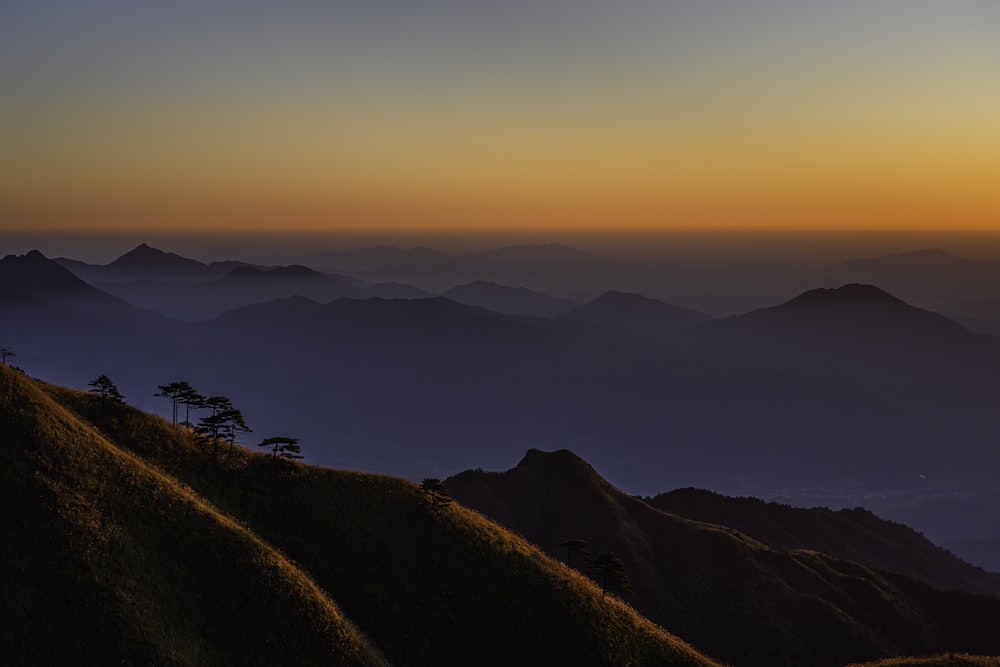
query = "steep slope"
x=723 y=591
x=855 y=534
x=510 y=300
x=108 y=560
x=429 y=583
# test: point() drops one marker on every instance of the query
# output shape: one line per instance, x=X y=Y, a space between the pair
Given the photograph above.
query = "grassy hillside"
x=729 y=594
x=106 y=560
x=951 y=660
x=425 y=583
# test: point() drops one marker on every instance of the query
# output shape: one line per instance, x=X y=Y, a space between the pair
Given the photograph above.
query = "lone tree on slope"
x=575 y=547
x=6 y=353
x=611 y=572
x=234 y=425
x=283 y=447
x=173 y=392
x=104 y=387
x=436 y=491
x=189 y=398
x=212 y=426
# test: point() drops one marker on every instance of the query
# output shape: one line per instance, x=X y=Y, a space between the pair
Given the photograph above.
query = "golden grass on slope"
x=108 y=558
x=429 y=584
x=950 y=660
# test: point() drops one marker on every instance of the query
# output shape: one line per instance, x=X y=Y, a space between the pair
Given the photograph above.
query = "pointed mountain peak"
x=148 y=258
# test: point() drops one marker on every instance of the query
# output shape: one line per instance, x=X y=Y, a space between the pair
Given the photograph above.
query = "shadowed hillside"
x=428 y=583
x=854 y=534
x=728 y=593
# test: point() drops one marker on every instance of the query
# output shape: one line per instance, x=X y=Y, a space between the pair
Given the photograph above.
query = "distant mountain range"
x=637 y=312
x=844 y=395
x=147 y=263
x=510 y=300
x=931 y=261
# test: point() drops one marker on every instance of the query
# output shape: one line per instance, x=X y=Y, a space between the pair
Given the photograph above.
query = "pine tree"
x=611 y=572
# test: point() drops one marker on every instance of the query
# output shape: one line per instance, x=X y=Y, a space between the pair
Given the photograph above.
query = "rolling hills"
x=129 y=542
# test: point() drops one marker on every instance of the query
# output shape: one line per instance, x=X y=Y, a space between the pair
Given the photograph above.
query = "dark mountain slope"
x=848 y=312
x=106 y=560
x=855 y=534
x=34 y=275
x=427 y=583
x=856 y=331
x=723 y=591
x=48 y=298
x=510 y=300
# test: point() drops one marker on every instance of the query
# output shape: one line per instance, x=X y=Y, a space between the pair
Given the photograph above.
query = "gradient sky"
x=441 y=114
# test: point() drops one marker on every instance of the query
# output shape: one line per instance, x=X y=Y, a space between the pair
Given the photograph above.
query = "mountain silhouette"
x=777 y=607
x=294 y=271
x=145 y=262
x=851 y=310
x=146 y=258
x=852 y=331
x=637 y=311
x=510 y=300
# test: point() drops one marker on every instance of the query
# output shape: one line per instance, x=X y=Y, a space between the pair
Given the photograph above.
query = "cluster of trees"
x=5 y=354
x=436 y=491
x=608 y=569
x=221 y=422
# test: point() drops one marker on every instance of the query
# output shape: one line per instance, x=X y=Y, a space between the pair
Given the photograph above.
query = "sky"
x=464 y=115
